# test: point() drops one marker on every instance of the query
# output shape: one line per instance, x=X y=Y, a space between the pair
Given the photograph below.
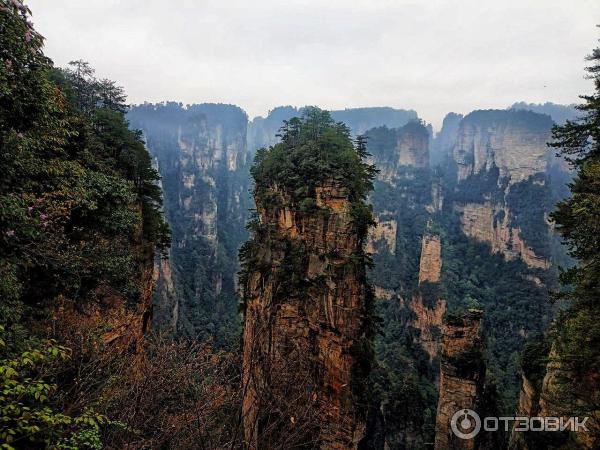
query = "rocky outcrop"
x=553 y=391
x=492 y=224
x=461 y=377
x=443 y=143
x=394 y=150
x=165 y=300
x=427 y=305
x=430 y=264
x=503 y=165
x=300 y=339
x=428 y=321
x=384 y=231
x=412 y=146
x=567 y=394
x=437 y=197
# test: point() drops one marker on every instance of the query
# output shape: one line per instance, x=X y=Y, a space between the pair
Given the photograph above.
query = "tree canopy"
x=314 y=149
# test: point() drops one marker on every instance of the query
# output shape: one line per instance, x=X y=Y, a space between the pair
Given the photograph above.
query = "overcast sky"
x=433 y=56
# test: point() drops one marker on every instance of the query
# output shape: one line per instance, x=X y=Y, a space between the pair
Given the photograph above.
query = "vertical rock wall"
x=300 y=336
x=461 y=377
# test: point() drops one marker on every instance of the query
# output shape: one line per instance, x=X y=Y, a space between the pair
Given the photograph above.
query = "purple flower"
x=10 y=233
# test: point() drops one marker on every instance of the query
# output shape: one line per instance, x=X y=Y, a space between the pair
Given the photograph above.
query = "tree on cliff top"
x=314 y=150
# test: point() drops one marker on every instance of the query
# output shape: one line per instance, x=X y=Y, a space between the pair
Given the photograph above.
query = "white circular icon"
x=463 y=420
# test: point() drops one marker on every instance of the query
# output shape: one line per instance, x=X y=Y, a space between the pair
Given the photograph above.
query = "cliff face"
x=403 y=193
x=461 y=377
x=443 y=143
x=428 y=321
x=165 y=299
x=554 y=391
x=502 y=162
x=384 y=233
x=427 y=305
x=430 y=264
x=395 y=150
x=551 y=389
x=491 y=223
x=580 y=400
x=311 y=328
x=202 y=158
x=512 y=141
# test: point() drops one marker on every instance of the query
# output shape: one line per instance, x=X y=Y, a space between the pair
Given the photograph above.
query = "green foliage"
x=79 y=209
x=529 y=201
x=403 y=378
x=534 y=358
x=27 y=417
x=577 y=341
x=203 y=269
x=314 y=151
x=78 y=194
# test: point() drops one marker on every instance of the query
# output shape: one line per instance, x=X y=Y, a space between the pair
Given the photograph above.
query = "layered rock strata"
x=304 y=317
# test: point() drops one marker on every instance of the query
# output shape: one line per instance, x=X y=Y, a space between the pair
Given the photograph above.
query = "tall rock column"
x=306 y=351
x=462 y=375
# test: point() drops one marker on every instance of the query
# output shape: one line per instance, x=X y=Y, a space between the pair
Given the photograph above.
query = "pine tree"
x=577 y=330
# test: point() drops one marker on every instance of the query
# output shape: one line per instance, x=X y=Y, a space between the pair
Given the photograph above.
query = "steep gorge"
x=202 y=157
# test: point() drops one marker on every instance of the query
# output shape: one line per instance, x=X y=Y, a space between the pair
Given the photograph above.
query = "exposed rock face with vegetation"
x=491 y=223
x=459 y=243
x=505 y=154
x=462 y=376
x=512 y=141
x=430 y=264
x=112 y=336
x=307 y=305
x=202 y=157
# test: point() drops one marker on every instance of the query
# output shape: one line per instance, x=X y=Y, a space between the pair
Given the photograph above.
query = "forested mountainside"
x=79 y=227
x=472 y=232
x=560 y=371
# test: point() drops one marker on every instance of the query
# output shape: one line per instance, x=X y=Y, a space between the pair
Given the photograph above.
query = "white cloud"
x=434 y=56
